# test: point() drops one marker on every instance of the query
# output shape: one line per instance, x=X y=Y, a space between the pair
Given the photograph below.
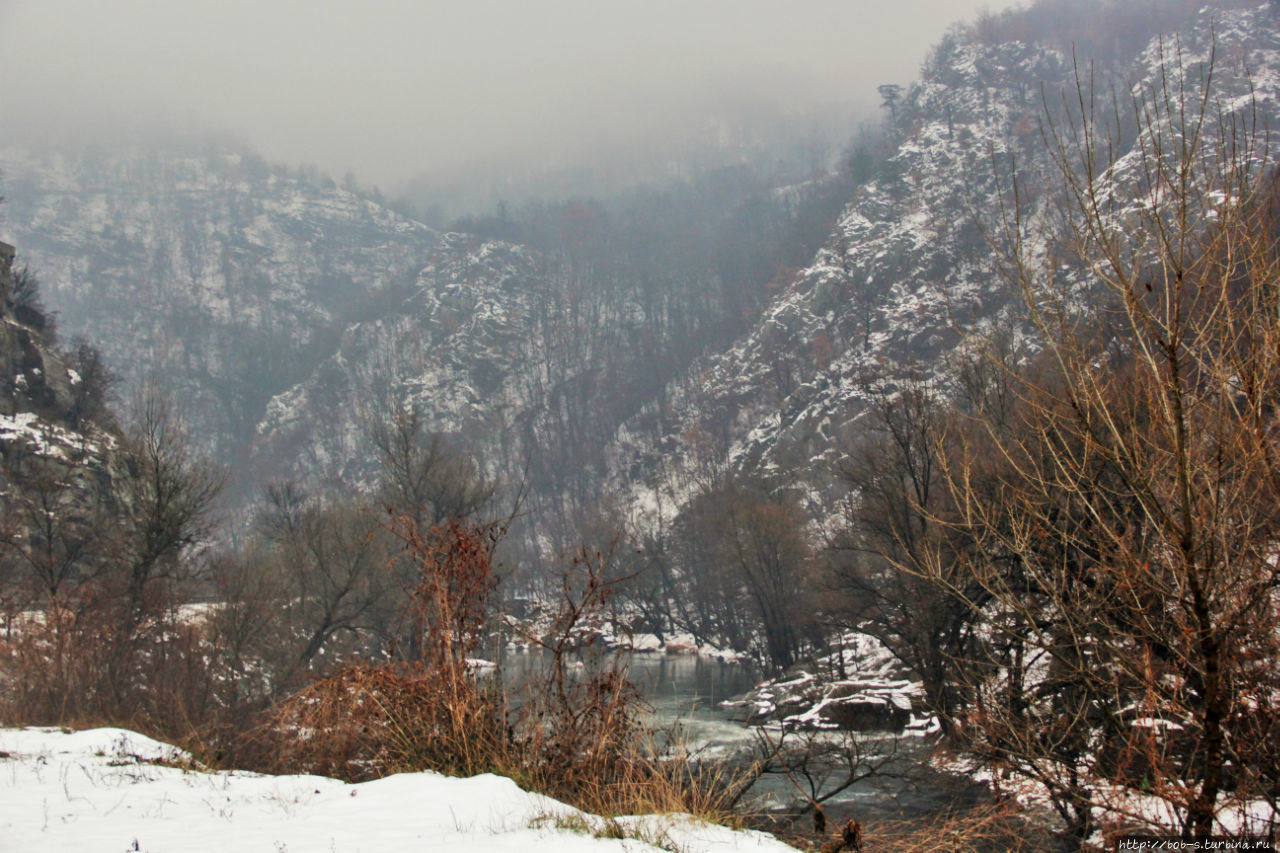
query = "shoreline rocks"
x=859 y=688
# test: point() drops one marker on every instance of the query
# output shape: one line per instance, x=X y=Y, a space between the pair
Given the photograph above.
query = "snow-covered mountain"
x=284 y=312
x=196 y=263
x=909 y=263
x=460 y=345
x=287 y=313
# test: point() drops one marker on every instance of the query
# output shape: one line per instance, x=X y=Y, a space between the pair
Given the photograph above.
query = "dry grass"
x=367 y=721
x=987 y=829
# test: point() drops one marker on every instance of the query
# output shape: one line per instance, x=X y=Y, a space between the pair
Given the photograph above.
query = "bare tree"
x=897 y=494
x=28 y=305
x=169 y=494
x=426 y=476
x=1123 y=519
x=333 y=564
x=91 y=385
x=55 y=534
x=747 y=566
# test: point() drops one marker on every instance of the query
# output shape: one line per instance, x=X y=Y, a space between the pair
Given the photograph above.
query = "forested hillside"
x=289 y=316
x=195 y=264
x=910 y=264
x=615 y=360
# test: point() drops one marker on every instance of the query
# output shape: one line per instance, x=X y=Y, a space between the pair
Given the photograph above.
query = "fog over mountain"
x=392 y=89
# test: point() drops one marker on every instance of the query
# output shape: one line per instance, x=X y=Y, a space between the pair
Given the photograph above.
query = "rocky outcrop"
x=55 y=455
x=861 y=688
x=459 y=346
x=34 y=378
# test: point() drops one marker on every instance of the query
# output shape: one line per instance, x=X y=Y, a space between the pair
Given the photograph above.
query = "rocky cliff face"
x=458 y=346
x=909 y=264
x=57 y=454
x=197 y=264
x=33 y=379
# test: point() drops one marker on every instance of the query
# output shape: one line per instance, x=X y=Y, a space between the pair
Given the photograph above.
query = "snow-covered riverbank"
x=115 y=790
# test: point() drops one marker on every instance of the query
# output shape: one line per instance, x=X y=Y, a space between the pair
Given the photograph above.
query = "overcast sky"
x=394 y=88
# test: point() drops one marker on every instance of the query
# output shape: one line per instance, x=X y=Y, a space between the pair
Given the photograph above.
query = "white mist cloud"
x=392 y=88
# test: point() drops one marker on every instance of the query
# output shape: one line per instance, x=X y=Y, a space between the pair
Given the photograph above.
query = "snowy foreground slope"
x=99 y=790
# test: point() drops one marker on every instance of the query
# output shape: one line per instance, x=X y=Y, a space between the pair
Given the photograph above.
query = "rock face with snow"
x=458 y=345
x=861 y=687
x=200 y=266
x=57 y=451
x=909 y=261
x=32 y=376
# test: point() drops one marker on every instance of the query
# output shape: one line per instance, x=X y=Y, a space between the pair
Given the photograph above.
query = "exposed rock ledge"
x=859 y=688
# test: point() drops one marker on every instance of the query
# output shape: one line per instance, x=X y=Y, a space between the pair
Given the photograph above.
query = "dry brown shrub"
x=368 y=721
x=574 y=734
x=79 y=666
x=51 y=663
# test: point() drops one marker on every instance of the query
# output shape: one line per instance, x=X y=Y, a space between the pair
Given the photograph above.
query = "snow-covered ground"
x=115 y=790
x=1118 y=805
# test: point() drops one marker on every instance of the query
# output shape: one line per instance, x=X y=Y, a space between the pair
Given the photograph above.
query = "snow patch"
x=101 y=790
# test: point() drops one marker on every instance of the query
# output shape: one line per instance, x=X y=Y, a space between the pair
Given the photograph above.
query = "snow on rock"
x=458 y=347
x=102 y=790
x=905 y=265
x=858 y=688
x=45 y=439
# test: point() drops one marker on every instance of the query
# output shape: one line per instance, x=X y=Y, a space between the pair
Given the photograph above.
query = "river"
x=683 y=694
